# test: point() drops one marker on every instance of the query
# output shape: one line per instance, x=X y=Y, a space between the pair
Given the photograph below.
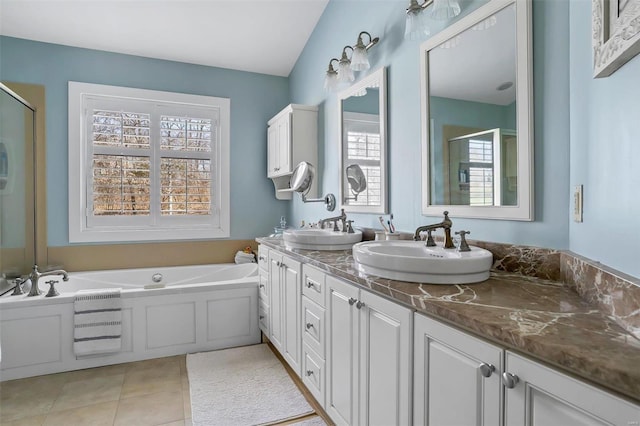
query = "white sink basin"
x=415 y=262
x=320 y=239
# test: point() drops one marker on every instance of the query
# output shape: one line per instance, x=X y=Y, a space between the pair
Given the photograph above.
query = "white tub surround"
x=201 y=308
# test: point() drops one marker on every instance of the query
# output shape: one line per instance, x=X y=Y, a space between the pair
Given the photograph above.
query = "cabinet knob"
x=309 y=372
x=486 y=369
x=260 y=257
x=261 y=286
x=509 y=380
x=359 y=304
x=261 y=317
x=278 y=263
x=309 y=284
x=309 y=325
x=352 y=300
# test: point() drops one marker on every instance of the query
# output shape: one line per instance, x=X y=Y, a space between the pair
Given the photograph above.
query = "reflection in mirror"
x=477 y=137
x=363 y=180
x=17 y=143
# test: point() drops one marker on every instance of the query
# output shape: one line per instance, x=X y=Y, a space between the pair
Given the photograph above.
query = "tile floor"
x=152 y=392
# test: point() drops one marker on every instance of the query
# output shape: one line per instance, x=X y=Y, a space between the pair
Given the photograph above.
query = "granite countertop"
x=544 y=319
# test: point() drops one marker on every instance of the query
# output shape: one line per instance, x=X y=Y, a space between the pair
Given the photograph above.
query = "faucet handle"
x=52 y=290
x=463 y=241
x=430 y=242
x=350 y=227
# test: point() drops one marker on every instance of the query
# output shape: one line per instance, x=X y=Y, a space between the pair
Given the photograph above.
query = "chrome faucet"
x=35 y=275
x=445 y=224
x=342 y=218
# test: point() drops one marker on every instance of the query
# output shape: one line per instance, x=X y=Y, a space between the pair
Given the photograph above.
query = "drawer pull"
x=261 y=317
x=309 y=372
x=352 y=300
x=486 y=370
x=309 y=325
x=261 y=257
x=310 y=284
x=510 y=380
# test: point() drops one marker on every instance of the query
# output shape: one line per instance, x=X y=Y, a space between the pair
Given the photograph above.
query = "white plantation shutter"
x=362 y=133
x=152 y=166
x=480 y=172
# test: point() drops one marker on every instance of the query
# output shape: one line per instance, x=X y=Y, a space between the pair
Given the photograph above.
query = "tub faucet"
x=35 y=275
x=342 y=218
x=445 y=224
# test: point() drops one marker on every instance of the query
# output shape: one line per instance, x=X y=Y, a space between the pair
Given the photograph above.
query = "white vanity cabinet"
x=454 y=384
x=263 y=289
x=368 y=357
x=285 y=298
x=455 y=374
x=543 y=396
x=292 y=137
x=313 y=332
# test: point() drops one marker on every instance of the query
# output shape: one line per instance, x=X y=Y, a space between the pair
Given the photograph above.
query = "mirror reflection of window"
x=362 y=134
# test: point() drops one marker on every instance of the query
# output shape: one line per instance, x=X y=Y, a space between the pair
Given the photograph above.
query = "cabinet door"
x=292 y=297
x=385 y=361
x=273 y=151
x=450 y=387
x=543 y=396
x=276 y=298
x=342 y=352
x=284 y=145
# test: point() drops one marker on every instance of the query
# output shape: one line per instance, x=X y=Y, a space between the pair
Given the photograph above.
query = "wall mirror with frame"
x=363 y=145
x=477 y=115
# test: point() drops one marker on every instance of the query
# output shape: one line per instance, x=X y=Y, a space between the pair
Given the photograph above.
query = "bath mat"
x=242 y=386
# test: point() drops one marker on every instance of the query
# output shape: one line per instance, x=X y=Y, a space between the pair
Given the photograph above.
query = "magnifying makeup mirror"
x=301 y=183
x=357 y=180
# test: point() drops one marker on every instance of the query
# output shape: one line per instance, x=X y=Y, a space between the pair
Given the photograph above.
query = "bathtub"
x=197 y=308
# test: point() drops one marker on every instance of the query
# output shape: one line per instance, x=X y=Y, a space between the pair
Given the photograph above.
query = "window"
x=480 y=172
x=147 y=165
x=362 y=133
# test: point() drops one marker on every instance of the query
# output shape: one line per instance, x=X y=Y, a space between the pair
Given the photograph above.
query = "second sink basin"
x=320 y=239
x=413 y=261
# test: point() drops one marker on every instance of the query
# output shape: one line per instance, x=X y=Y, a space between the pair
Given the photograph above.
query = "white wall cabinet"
x=368 y=357
x=292 y=137
x=285 y=298
x=454 y=383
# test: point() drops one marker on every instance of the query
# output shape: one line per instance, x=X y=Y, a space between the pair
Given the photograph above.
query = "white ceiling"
x=263 y=36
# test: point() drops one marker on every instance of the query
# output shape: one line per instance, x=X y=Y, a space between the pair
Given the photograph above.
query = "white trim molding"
x=616 y=34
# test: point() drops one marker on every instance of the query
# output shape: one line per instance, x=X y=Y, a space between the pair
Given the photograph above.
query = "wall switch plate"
x=577 y=203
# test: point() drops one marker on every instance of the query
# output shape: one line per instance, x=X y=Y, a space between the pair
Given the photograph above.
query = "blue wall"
x=340 y=25
x=605 y=152
x=255 y=98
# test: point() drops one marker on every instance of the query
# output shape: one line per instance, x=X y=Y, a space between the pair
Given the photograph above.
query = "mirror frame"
x=379 y=75
x=524 y=208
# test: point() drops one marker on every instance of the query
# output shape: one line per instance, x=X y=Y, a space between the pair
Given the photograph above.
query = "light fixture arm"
x=372 y=41
x=331 y=69
x=344 y=56
x=415 y=7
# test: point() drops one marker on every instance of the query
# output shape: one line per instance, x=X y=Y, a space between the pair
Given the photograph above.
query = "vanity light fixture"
x=331 y=79
x=416 y=27
x=358 y=61
x=345 y=73
x=359 y=58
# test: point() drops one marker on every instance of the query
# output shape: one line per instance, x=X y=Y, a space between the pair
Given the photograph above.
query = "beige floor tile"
x=101 y=414
x=188 y=422
x=28 y=404
x=186 y=397
x=178 y=423
x=185 y=383
x=153 y=409
x=147 y=381
x=90 y=391
x=27 y=421
x=32 y=386
x=168 y=363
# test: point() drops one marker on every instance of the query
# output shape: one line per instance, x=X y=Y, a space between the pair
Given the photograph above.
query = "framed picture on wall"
x=616 y=34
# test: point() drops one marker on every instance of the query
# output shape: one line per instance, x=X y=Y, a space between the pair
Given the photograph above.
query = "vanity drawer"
x=313 y=325
x=263 y=287
x=263 y=317
x=263 y=257
x=313 y=373
x=313 y=284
